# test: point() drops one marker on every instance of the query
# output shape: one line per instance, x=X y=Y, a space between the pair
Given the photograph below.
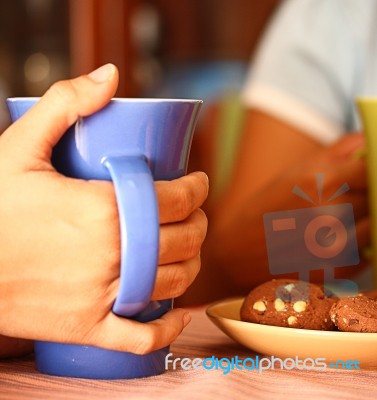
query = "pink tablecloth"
x=201 y=339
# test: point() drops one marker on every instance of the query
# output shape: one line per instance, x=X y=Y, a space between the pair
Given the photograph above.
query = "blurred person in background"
x=296 y=119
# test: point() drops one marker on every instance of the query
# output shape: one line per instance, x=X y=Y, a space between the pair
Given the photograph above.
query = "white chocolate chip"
x=279 y=305
x=345 y=320
x=259 y=306
x=289 y=287
x=299 y=306
x=292 y=320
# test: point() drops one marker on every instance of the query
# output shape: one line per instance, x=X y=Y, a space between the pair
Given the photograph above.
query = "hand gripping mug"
x=131 y=142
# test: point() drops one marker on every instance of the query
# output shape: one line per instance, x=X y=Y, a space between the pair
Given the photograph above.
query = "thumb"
x=44 y=124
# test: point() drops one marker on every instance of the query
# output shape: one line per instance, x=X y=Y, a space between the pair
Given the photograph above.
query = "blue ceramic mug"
x=131 y=142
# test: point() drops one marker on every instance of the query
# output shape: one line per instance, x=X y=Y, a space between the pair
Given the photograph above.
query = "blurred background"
x=163 y=48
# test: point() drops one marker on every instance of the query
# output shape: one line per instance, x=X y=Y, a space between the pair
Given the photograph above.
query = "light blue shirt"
x=316 y=57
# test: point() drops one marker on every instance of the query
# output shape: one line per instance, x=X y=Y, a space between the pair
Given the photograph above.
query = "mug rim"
x=122 y=99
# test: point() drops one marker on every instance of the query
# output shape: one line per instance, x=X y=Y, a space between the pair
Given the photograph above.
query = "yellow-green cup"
x=367 y=107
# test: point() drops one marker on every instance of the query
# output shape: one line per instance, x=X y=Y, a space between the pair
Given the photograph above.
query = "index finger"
x=178 y=198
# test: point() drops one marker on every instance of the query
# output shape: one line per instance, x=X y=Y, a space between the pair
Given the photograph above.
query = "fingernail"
x=102 y=74
x=186 y=319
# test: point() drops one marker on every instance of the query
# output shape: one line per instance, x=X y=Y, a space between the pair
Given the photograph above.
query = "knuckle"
x=183 y=276
x=195 y=233
x=194 y=240
x=179 y=289
x=63 y=91
x=202 y=221
x=203 y=183
x=185 y=202
x=179 y=282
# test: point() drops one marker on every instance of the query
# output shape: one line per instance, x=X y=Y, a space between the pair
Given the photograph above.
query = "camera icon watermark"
x=313 y=238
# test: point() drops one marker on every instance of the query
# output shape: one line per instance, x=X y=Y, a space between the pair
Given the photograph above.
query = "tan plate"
x=288 y=342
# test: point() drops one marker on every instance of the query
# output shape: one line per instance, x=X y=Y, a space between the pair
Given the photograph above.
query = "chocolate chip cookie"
x=289 y=303
x=355 y=314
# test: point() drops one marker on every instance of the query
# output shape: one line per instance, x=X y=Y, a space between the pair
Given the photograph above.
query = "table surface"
x=201 y=339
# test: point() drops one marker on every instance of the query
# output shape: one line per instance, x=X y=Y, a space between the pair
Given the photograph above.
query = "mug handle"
x=139 y=229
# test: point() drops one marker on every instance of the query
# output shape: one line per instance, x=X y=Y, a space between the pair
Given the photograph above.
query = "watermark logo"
x=226 y=365
x=313 y=238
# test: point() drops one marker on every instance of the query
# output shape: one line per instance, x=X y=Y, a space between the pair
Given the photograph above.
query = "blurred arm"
x=273 y=157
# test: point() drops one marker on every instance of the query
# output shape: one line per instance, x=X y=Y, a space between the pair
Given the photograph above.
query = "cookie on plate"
x=289 y=303
x=355 y=314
